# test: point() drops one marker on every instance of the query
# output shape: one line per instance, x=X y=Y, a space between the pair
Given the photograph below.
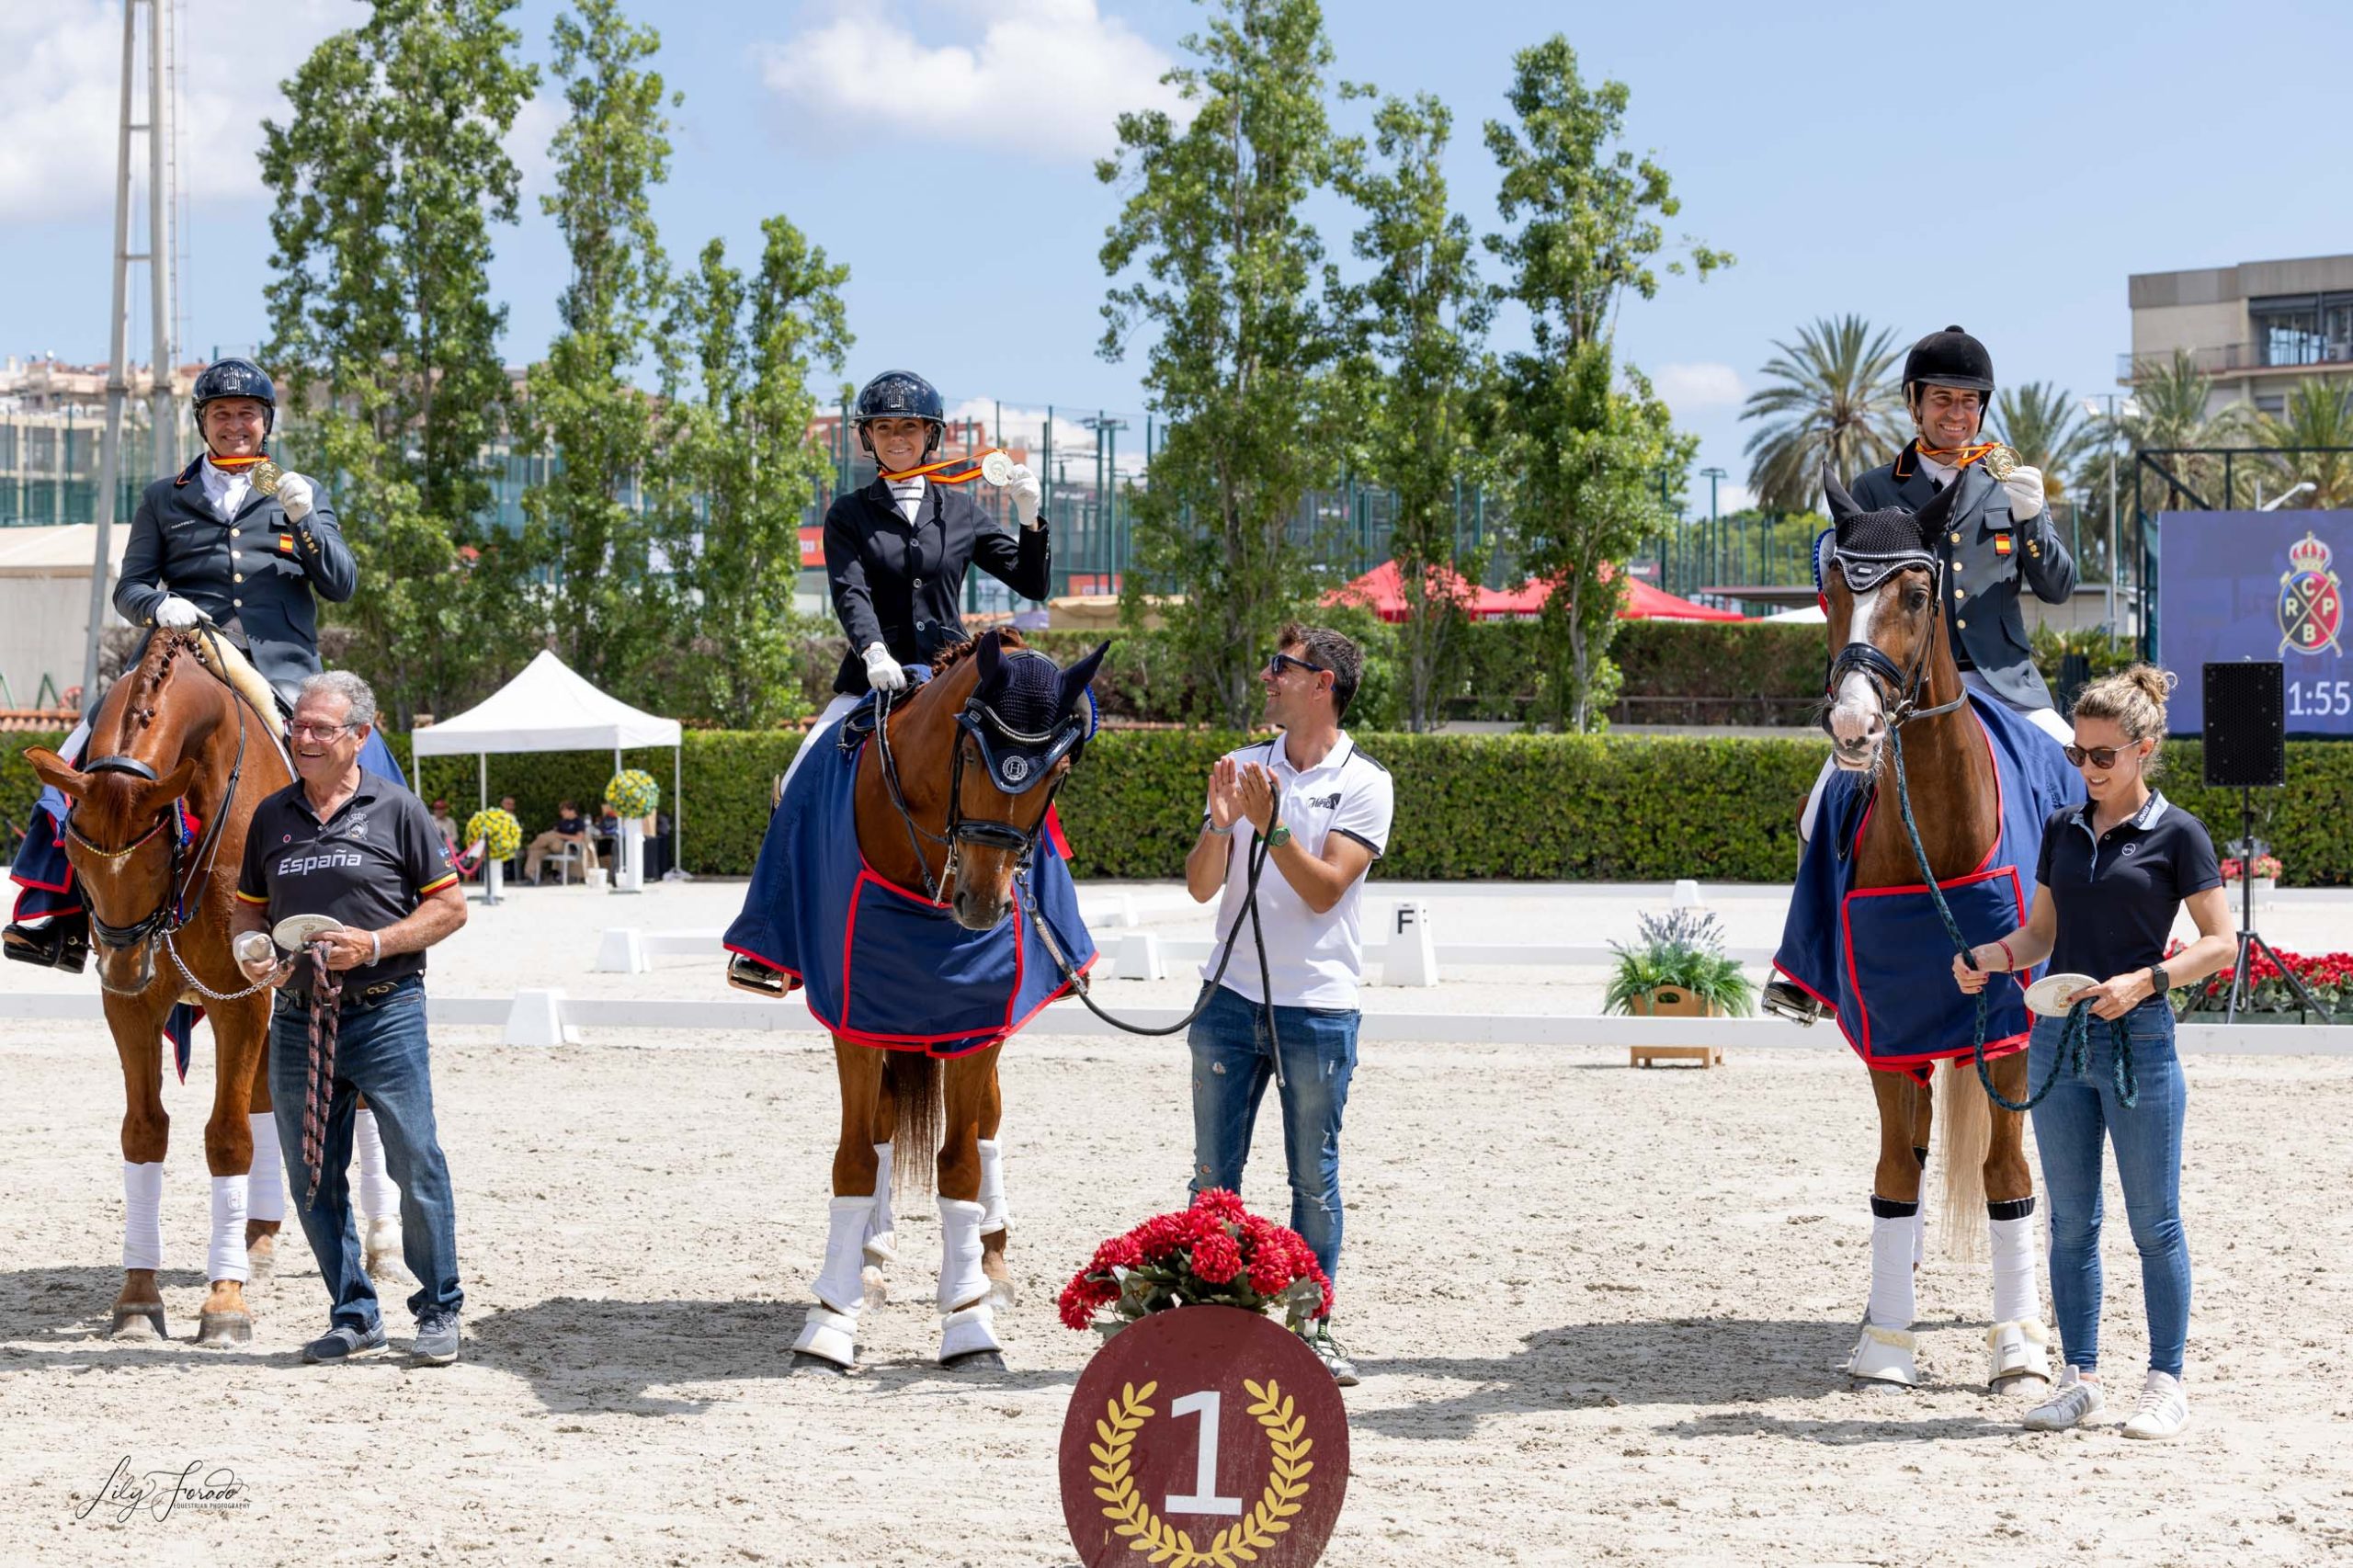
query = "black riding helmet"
x=234 y=378
x=1949 y=359
x=901 y=394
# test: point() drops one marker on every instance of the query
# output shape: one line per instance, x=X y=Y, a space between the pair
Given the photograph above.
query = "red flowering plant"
x=1216 y=1254
x=2266 y=868
x=2327 y=978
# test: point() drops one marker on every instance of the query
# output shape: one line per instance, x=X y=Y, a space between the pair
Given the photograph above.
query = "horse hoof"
x=804 y=1364
x=260 y=1264
x=975 y=1361
x=144 y=1320
x=225 y=1328
x=2018 y=1382
x=877 y=1288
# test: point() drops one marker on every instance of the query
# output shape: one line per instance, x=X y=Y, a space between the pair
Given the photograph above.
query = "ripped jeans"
x=1233 y=1061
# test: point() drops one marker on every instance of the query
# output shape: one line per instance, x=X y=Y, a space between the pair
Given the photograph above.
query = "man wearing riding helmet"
x=2000 y=535
x=206 y=543
x=896 y=550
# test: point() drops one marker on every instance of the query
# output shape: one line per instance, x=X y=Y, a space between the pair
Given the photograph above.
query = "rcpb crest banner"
x=2261 y=585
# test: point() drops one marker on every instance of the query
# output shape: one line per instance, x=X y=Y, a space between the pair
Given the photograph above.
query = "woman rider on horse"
x=206 y=543
x=897 y=550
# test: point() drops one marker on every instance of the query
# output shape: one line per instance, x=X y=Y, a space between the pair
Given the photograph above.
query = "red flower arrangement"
x=2264 y=866
x=1216 y=1254
x=2328 y=977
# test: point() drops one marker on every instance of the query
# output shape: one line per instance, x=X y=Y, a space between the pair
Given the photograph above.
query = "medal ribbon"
x=1958 y=458
x=237 y=465
x=938 y=472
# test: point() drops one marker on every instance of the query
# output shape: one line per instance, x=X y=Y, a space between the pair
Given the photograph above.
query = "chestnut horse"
x=172 y=734
x=1893 y=669
x=930 y=814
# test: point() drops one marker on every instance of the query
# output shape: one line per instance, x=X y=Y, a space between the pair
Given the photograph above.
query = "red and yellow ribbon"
x=939 y=472
x=238 y=465
x=1958 y=457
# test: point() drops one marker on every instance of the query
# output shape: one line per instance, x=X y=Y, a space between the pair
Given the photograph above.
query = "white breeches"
x=842 y=703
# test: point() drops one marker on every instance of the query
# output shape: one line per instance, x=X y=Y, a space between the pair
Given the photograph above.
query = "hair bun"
x=2155 y=683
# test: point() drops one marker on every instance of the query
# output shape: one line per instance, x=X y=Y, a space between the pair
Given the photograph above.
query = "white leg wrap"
x=962 y=1332
x=961 y=1279
x=840 y=1284
x=1919 y=1235
x=2018 y=1349
x=143 y=1214
x=225 y=1259
x=881 y=1237
x=829 y=1335
x=993 y=1215
x=2016 y=1300
x=265 y=1187
x=380 y=1196
x=1814 y=800
x=1892 y=1302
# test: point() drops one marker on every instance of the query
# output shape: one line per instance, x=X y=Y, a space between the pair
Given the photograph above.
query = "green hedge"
x=1503 y=807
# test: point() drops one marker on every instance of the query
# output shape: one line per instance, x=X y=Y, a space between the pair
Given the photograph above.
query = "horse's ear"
x=1081 y=676
x=1933 y=517
x=55 y=772
x=1842 y=505
x=987 y=657
x=171 y=787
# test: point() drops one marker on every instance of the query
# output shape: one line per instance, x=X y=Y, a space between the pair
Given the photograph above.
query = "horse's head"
x=1020 y=722
x=1880 y=581
x=122 y=835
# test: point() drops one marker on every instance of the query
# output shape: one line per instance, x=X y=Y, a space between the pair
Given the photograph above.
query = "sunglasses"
x=2098 y=756
x=1275 y=665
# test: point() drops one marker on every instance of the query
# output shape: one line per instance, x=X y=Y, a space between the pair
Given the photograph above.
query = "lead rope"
x=326 y=1007
x=2075 y=1041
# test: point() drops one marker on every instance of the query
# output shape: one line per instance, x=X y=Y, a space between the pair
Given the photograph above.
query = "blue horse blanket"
x=885 y=965
x=1879 y=956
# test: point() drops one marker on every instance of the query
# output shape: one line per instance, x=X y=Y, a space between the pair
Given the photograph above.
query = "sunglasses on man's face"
x=2098 y=756
x=1275 y=665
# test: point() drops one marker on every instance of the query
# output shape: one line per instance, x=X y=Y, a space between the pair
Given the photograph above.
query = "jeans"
x=2069 y=1125
x=380 y=1052
x=1233 y=1061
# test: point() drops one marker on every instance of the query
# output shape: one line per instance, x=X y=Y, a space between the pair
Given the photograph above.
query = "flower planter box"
x=1672 y=1002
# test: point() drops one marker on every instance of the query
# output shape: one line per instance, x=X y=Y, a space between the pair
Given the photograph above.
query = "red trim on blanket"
x=65 y=886
x=1862 y=1047
x=1054 y=828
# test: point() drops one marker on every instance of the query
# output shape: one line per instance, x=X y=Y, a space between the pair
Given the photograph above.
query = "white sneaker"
x=2073 y=1401
x=2164 y=1409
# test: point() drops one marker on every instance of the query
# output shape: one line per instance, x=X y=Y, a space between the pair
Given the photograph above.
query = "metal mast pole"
x=162 y=248
x=117 y=353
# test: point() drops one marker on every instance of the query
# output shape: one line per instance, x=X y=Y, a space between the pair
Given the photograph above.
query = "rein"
x=999 y=835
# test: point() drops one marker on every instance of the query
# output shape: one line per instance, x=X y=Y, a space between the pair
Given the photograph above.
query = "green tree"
x=1583 y=445
x=737 y=469
x=610 y=611
x=1833 y=398
x=387 y=176
x=2319 y=413
x=1415 y=368
x=2045 y=425
x=1215 y=219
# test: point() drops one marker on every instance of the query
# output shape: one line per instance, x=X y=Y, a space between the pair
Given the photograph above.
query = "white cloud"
x=1048 y=78
x=1690 y=387
x=58 y=117
x=1025 y=428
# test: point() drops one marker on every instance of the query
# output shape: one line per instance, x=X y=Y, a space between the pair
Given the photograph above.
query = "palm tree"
x=2045 y=426
x=1834 y=399
x=2319 y=414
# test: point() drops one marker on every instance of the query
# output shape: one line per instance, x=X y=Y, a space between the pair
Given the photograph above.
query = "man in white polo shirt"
x=1333 y=823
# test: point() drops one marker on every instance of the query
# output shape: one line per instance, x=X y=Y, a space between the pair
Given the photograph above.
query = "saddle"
x=218 y=649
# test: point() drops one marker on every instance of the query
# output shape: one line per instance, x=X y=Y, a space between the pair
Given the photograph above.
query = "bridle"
x=1900 y=690
x=975 y=723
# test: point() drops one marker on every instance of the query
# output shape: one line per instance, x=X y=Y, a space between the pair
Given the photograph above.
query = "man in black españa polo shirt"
x=344 y=843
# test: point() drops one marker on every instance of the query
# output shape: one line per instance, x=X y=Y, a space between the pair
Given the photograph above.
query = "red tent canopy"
x=1381 y=590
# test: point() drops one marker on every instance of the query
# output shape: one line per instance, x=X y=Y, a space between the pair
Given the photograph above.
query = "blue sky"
x=2006 y=170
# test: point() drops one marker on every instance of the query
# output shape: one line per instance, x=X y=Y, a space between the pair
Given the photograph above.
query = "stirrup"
x=750 y=974
x=62 y=941
x=1785 y=1000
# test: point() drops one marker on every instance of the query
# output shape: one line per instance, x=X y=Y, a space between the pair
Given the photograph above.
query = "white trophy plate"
x=297 y=932
x=997 y=468
x=2053 y=995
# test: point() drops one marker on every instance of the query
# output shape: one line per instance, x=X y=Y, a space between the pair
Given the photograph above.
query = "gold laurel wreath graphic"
x=1237 y=1543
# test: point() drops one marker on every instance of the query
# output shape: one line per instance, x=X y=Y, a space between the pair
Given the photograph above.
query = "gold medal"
x=2001 y=462
x=266 y=477
x=996 y=468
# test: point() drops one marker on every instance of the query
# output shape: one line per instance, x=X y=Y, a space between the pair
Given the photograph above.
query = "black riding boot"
x=1783 y=998
x=60 y=941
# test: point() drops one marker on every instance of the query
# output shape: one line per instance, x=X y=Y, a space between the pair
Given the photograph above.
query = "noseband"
x=1899 y=690
x=187 y=868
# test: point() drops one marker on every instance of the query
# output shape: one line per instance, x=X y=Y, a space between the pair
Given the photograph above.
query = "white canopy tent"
x=549 y=708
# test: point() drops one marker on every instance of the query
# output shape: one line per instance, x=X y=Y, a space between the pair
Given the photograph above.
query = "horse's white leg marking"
x=225 y=1258
x=265 y=1187
x=143 y=1214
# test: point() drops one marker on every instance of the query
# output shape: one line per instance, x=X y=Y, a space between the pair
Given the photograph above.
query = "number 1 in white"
x=1203 y=1498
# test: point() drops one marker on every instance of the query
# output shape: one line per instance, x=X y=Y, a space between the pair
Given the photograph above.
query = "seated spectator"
x=570 y=829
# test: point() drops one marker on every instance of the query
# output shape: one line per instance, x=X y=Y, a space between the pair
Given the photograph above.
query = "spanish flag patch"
x=286 y=544
x=2001 y=544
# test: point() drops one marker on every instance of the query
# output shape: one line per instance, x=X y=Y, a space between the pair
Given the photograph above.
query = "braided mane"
x=955 y=653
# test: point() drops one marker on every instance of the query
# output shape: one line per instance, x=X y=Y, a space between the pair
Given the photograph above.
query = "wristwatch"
x=1279 y=837
x=2159 y=982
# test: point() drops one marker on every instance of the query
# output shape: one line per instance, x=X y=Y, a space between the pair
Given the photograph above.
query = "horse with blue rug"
x=913 y=880
x=1926 y=843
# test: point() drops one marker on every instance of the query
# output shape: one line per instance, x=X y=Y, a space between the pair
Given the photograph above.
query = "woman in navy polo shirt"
x=2115 y=872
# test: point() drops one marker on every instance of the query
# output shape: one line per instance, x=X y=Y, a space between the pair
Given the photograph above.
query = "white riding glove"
x=882 y=671
x=2025 y=485
x=176 y=614
x=1026 y=496
x=294 y=495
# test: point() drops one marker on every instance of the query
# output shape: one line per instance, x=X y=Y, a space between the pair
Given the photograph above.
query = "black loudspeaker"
x=2246 y=738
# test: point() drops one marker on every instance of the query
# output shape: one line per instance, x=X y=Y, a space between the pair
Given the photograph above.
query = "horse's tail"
x=1967 y=1116
x=913 y=1083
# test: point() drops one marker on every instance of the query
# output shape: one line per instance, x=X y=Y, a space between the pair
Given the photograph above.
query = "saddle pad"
x=883 y=965
x=1879 y=957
